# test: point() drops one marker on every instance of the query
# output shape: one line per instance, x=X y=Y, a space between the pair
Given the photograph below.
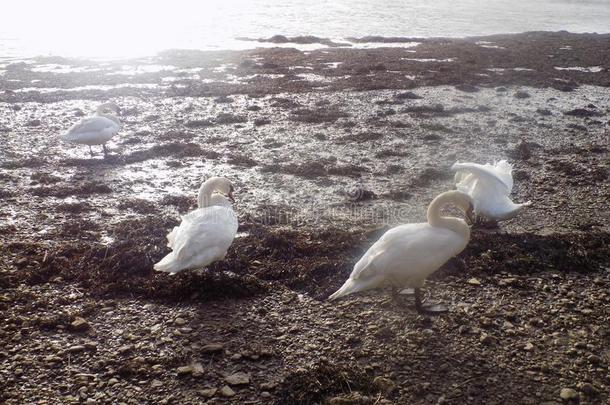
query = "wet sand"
x=326 y=148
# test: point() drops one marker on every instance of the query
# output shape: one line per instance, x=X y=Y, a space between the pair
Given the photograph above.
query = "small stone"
x=384 y=384
x=179 y=322
x=528 y=346
x=268 y=386
x=156 y=384
x=588 y=389
x=113 y=381
x=474 y=281
x=568 y=393
x=76 y=349
x=212 y=348
x=593 y=359
x=91 y=346
x=486 y=339
x=125 y=349
x=208 y=393
x=238 y=378
x=52 y=359
x=79 y=325
x=227 y=392
x=197 y=369
x=355 y=398
x=184 y=370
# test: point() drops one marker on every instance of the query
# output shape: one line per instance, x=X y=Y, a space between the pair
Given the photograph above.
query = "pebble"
x=227 y=392
x=593 y=359
x=212 y=348
x=528 y=346
x=79 y=325
x=179 y=321
x=113 y=381
x=197 y=369
x=568 y=393
x=76 y=349
x=588 y=389
x=474 y=281
x=156 y=383
x=268 y=386
x=384 y=384
x=238 y=378
x=125 y=349
x=184 y=370
x=486 y=339
x=208 y=393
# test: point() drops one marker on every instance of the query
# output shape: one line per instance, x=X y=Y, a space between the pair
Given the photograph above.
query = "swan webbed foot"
x=428 y=308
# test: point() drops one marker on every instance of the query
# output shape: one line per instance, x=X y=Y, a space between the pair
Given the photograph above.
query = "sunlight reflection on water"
x=116 y=28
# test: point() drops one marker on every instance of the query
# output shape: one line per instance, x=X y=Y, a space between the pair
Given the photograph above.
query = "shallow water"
x=128 y=29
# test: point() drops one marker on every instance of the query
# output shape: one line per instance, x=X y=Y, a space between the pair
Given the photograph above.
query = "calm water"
x=125 y=28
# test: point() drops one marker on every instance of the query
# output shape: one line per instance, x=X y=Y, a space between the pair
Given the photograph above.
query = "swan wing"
x=504 y=171
x=408 y=254
x=489 y=176
x=91 y=129
x=203 y=236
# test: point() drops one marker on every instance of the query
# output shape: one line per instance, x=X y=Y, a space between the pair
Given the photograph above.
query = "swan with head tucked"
x=407 y=254
x=97 y=129
x=205 y=234
x=489 y=186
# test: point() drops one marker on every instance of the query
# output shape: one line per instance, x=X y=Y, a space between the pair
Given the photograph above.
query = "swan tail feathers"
x=347 y=288
x=168 y=264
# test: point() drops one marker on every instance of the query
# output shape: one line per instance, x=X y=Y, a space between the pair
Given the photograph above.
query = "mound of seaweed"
x=124 y=267
x=317 y=384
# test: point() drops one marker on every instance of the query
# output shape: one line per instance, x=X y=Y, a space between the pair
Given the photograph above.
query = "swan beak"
x=471 y=217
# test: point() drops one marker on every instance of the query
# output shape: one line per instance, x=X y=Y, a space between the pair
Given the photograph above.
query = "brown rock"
x=227 y=392
x=384 y=384
x=79 y=325
x=238 y=378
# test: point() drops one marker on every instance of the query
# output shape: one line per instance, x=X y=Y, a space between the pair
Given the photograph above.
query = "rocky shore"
x=327 y=148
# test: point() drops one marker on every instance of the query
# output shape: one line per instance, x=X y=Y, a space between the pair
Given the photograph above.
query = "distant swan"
x=97 y=129
x=489 y=186
x=205 y=234
x=407 y=254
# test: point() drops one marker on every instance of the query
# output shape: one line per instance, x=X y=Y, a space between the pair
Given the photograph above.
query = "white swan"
x=489 y=186
x=205 y=234
x=407 y=254
x=97 y=129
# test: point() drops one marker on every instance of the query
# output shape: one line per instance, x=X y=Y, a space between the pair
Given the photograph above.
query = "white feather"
x=489 y=186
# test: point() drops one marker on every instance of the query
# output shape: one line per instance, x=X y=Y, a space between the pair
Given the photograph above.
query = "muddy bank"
x=326 y=149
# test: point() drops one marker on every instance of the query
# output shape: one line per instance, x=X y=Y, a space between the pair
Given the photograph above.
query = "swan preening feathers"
x=205 y=234
x=407 y=254
x=489 y=186
x=97 y=129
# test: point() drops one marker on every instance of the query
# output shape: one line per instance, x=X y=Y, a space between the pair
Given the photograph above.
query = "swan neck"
x=109 y=116
x=437 y=220
x=205 y=195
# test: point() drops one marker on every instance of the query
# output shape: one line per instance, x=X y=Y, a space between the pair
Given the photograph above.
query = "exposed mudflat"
x=327 y=148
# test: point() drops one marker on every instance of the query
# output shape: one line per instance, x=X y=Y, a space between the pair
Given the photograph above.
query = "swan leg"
x=430 y=309
x=105 y=150
x=91 y=151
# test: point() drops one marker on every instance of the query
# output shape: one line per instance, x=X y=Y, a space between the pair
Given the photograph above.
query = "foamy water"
x=138 y=28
